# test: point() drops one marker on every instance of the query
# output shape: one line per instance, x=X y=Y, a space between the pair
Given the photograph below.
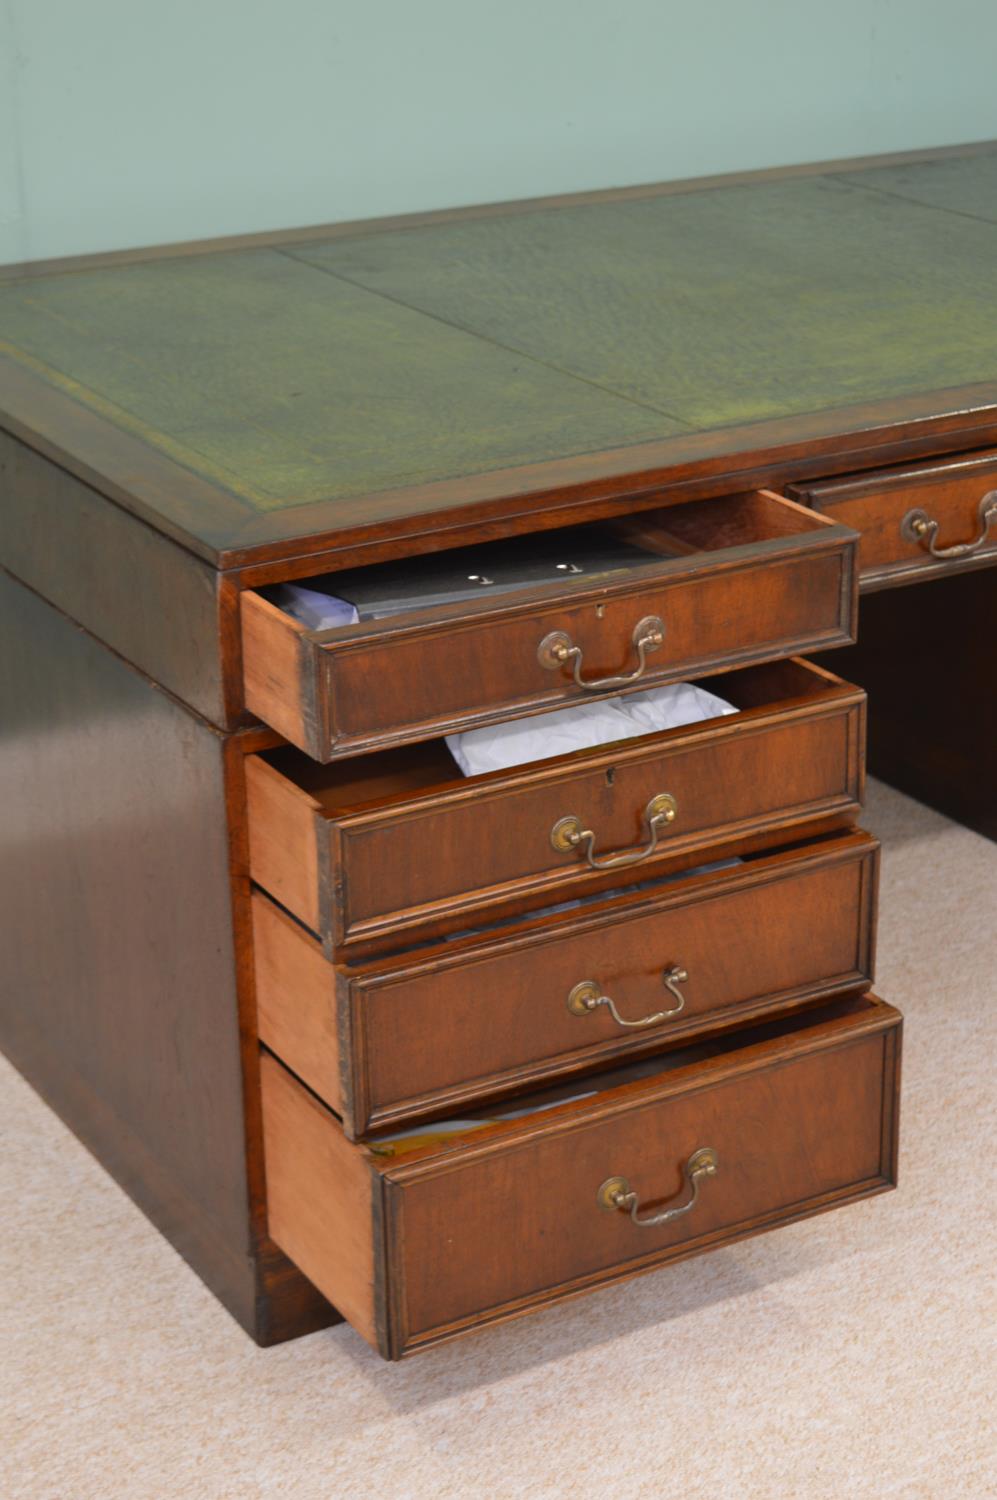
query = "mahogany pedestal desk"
x=254 y=923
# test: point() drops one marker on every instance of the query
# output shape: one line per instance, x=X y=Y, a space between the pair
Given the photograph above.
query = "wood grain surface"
x=739 y=579
x=802 y=1114
x=875 y=505
x=382 y=849
x=759 y=936
x=118 y=992
x=136 y=590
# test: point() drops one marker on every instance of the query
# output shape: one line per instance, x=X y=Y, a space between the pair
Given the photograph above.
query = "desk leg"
x=927 y=656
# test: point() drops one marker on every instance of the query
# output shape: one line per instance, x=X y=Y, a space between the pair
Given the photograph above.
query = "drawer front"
x=398 y=1040
x=485 y=847
x=923 y=519
x=533 y=1212
x=785 y=584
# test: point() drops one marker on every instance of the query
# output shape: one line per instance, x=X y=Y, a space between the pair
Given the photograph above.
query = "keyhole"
x=611 y=776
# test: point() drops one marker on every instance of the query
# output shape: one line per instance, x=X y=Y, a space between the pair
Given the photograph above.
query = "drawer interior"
x=617 y=1084
x=387 y=776
x=552 y=560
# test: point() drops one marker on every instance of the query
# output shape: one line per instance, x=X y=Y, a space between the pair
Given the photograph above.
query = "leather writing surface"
x=245 y=398
x=285 y=385
x=736 y=305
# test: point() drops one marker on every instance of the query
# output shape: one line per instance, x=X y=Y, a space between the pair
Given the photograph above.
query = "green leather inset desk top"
x=311 y=385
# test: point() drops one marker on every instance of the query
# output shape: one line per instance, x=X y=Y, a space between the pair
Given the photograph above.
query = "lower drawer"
x=398 y=1039
x=673 y=1155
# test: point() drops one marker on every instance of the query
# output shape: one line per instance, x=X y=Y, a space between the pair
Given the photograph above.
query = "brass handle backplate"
x=570 y=833
x=918 y=526
x=587 y=997
x=558 y=650
x=617 y=1195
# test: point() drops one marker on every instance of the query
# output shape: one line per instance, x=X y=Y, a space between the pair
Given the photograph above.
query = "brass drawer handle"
x=587 y=997
x=918 y=526
x=557 y=649
x=616 y=1192
x=568 y=833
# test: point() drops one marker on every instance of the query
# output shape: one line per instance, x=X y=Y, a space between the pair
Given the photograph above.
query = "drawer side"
x=322 y=1199
x=284 y=843
x=296 y=1000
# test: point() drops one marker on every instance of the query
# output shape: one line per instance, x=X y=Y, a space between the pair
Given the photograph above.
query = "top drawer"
x=733 y=581
x=917 y=520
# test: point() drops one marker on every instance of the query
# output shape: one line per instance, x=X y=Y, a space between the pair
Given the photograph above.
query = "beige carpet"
x=855 y=1355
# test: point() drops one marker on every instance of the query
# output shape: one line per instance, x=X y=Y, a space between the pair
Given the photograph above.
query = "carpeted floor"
x=854 y=1355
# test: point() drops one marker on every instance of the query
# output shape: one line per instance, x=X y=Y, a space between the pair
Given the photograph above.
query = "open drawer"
x=437 y=1028
x=398 y=845
x=709 y=585
x=674 y=1155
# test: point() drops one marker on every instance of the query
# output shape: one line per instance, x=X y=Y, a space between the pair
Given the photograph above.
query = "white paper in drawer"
x=314 y=610
x=583 y=726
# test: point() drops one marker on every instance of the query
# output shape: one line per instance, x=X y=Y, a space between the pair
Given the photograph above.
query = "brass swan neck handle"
x=569 y=833
x=616 y=1194
x=918 y=526
x=558 y=650
x=587 y=997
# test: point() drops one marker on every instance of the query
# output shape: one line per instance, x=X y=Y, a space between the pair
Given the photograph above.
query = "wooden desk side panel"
x=117 y=981
x=153 y=603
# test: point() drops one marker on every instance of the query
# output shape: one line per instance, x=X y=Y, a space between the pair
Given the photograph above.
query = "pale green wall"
x=126 y=122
